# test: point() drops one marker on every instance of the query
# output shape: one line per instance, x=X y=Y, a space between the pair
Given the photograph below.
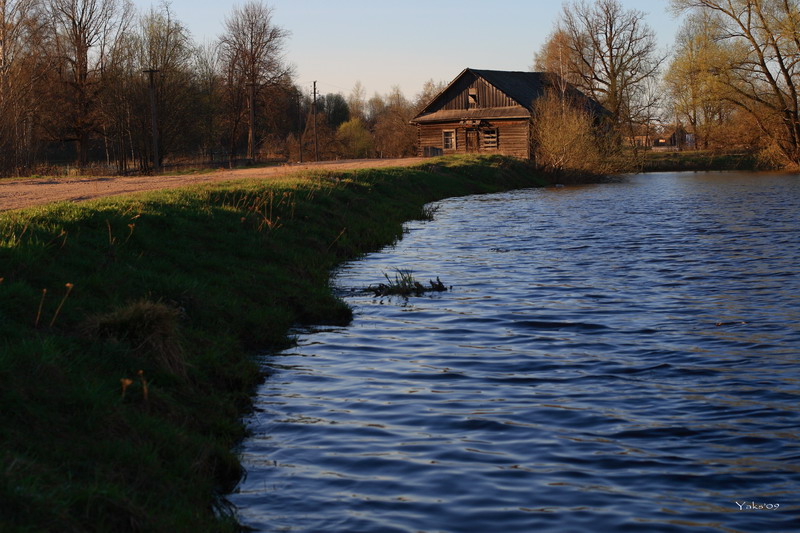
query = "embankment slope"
x=129 y=326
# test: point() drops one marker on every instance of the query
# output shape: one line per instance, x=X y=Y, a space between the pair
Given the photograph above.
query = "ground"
x=29 y=192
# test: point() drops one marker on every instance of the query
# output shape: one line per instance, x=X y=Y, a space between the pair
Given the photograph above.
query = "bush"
x=567 y=141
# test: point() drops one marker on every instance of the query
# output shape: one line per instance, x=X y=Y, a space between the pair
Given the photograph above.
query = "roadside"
x=29 y=192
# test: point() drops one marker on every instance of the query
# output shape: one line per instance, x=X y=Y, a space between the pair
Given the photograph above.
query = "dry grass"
x=149 y=328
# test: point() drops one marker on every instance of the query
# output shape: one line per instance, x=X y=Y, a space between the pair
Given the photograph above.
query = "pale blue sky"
x=384 y=43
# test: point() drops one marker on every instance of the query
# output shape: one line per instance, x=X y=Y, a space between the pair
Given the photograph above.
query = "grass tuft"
x=149 y=329
x=404 y=284
x=428 y=212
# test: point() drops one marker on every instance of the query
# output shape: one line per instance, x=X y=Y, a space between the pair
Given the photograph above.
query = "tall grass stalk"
x=39 y=310
x=61 y=304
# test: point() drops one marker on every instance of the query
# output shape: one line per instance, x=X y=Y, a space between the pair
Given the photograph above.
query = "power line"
x=324 y=83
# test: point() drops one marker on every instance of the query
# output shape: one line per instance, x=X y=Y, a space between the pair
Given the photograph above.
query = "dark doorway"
x=473 y=141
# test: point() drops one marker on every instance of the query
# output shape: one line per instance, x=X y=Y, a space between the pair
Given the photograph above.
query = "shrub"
x=566 y=140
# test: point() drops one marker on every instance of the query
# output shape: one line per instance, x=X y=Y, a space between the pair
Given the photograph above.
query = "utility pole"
x=251 y=131
x=300 y=124
x=314 y=109
x=153 y=118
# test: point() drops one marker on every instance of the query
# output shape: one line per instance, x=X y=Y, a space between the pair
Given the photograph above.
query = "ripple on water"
x=610 y=358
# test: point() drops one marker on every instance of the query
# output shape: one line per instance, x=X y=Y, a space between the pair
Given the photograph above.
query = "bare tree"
x=607 y=52
x=161 y=47
x=208 y=82
x=22 y=65
x=357 y=101
x=393 y=133
x=251 y=50
x=556 y=56
x=165 y=46
x=84 y=34
x=430 y=89
x=761 y=68
x=691 y=81
x=121 y=110
x=334 y=108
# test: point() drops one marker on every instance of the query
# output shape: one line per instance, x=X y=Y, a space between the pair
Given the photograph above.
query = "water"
x=610 y=358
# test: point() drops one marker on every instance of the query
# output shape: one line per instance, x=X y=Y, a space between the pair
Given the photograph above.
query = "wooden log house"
x=488 y=111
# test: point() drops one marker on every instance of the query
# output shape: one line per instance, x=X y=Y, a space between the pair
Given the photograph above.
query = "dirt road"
x=21 y=193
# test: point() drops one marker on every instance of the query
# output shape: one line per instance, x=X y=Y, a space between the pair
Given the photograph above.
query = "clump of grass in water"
x=404 y=284
x=428 y=212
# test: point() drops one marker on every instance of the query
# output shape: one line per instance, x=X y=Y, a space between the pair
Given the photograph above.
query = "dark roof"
x=522 y=87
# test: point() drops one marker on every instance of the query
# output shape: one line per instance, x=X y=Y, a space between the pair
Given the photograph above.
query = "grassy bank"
x=700 y=160
x=128 y=327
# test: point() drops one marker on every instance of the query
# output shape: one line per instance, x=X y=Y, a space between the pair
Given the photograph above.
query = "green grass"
x=699 y=160
x=180 y=170
x=214 y=167
x=171 y=295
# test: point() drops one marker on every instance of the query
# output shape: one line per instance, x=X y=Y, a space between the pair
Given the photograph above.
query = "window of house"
x=473 y=97
x=449 y=140
x=489 y=139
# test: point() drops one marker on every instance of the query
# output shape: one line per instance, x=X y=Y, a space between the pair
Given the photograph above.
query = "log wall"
x=513 y=138
x=472 y=92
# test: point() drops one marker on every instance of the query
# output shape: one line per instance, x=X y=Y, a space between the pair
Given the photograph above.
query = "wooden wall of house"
x=512 y=137
x=458 y=97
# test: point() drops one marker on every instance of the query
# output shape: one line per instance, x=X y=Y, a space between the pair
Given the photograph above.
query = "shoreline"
x=701 y=161
x=23 y=193
x=130 y=324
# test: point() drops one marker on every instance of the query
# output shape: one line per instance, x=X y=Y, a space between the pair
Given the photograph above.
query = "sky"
x=384 y=43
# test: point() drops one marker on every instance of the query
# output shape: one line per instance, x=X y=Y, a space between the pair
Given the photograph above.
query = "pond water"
x=617 y=357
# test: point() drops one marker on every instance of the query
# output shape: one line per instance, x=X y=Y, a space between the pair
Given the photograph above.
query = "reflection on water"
x=610 y=358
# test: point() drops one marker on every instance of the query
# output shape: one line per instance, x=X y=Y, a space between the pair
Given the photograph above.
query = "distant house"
x=488 y=111
x=674 y=138
x=642 y=136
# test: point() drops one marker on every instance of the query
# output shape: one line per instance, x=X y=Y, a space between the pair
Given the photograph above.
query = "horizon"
x=422 y=41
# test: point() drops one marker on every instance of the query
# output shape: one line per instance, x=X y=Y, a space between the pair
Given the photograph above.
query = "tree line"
x=94 y=83
x=731 y=78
